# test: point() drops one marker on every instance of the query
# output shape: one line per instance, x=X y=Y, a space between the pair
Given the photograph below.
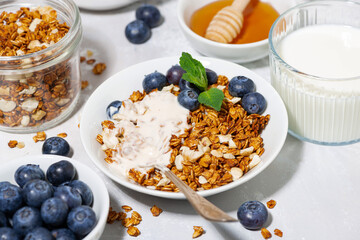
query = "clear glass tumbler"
x=321 y=110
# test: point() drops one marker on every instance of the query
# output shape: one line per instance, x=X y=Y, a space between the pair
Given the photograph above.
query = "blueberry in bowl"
x=60 y=172
x=254 y=102
x=153 y=81
x=189 y=99
x=211 y=76
x=174 y=74
x=10 y=198
x=28 y=172
x=54 y=212
x=35 y=192
x=240 y=85
x=113 y=108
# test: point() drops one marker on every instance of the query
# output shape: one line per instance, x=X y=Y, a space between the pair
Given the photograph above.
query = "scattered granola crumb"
x=271 y=204
x=265 y=233
x=12 y=143
x=89 y=53
x=62 y=135
x=82 y=59
x=126 y=208
x=278 y=232
x=91 y=61
x=78 y=125
x=20 y=145
x=133 y=231
x=198 y=231
x=115 y=216
x=84 y=84
x=99 y=68
x=155 y=210
x=40 y=136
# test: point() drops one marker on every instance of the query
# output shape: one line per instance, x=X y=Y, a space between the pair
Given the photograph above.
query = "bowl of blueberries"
x=51 y=197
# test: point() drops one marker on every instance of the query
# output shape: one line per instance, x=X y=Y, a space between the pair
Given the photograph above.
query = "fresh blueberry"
x=63 y=234
x=84 y=190
x=69 y=195
x=28 y=172
x=10 y=198
x=189 y=99
x=81 y=220
x=211 y=76
x=174 y=74
x=153 y=81
x=4 y=183
x=39 y=233
x=253 y=103
x=35 y=192
x=56 y=146
x=7 y=233
x=185 y=85
x=137 y=32
x=113 y=108
x=25 y=219
x=149 y=14
x=240 y=85
x=3 y=220
x=252 y=215
x=54 y=212
x=60 y=172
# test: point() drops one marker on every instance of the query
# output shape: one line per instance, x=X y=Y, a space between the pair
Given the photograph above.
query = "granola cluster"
x=27 y=31
x=32 y=98
x=217 y=149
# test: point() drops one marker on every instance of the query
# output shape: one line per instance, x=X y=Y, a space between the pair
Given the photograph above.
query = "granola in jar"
x=39 y=65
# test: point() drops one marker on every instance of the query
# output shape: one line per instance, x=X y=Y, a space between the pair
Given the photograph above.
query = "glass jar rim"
x=296 y=8
x=58 y=46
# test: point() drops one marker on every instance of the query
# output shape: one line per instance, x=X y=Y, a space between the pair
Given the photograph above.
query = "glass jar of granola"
x=39 y=63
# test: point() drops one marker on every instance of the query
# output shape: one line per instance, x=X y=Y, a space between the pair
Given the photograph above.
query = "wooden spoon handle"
x=205 y=208
x=240 y=5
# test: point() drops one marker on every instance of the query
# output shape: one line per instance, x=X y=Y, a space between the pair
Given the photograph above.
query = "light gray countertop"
x=316 y=187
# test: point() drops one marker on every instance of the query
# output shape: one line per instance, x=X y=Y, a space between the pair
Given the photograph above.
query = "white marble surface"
x=316 y=187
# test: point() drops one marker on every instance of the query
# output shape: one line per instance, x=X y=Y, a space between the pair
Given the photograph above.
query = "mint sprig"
x=212 y=98
x=195 y=71
x=196 y=74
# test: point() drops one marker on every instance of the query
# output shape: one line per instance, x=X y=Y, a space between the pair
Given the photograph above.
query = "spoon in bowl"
x=205 y=208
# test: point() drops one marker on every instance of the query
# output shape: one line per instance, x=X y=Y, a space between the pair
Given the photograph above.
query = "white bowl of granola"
x=248 y=153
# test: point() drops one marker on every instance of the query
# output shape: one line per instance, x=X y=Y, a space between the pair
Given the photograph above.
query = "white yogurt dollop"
x=145 y=129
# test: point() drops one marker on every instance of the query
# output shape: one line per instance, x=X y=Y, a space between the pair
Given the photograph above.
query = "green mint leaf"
x=212 y=98
x=195 y=71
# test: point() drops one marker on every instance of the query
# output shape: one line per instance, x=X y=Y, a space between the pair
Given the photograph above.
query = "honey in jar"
x=258 y=18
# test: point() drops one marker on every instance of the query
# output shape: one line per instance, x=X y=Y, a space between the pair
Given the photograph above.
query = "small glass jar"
x=322 y=110
x=38 y=90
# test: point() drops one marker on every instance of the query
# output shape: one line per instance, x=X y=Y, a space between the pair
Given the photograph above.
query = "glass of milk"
x=315 y=67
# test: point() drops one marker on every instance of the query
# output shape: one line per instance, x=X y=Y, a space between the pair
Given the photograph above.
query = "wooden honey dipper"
x=227 y=23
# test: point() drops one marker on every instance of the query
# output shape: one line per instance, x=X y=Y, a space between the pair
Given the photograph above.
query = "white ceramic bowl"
x=96 y=5
x=238 y=53
x=101 y=197
x=122 y=84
